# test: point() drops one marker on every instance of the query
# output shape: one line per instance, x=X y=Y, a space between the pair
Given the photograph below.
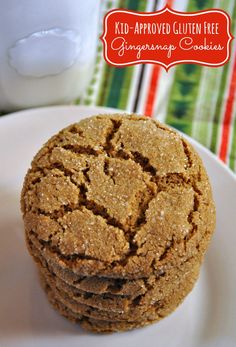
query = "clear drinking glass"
x=47 y=50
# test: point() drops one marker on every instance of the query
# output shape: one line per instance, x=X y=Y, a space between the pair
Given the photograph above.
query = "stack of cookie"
x=118 y=214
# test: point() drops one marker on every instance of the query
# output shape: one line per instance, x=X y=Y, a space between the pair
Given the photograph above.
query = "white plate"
x=206 y=318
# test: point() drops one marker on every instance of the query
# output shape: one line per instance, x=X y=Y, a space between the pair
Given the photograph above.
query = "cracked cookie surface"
x=118 y=196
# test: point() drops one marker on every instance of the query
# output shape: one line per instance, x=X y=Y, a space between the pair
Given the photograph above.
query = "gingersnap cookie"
x=136 y=191
x=155 y=291
x=79 y=313
x=125 y=309
x=119 y=286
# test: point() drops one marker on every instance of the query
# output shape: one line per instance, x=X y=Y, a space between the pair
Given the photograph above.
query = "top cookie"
x=118 y=196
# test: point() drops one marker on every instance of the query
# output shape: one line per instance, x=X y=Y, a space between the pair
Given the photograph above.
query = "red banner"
x=166 y=37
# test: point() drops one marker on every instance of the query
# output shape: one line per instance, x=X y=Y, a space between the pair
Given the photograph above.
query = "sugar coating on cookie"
x=118 y=196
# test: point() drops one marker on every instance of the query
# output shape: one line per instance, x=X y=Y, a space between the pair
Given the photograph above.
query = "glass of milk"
x=47 y=51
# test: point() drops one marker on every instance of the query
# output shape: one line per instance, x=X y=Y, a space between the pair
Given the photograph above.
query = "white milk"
x=47 y=50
